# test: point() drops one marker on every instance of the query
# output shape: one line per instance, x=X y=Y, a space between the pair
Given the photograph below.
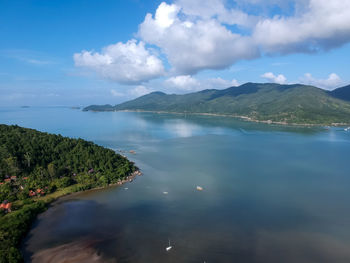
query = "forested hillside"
x=342 y=93
x=295 y=104
x=35 y=164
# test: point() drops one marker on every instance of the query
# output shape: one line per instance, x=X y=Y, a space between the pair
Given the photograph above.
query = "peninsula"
x=36 y=168
x=268 y=102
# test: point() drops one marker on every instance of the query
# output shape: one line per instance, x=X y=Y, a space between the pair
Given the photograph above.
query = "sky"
x=82 y=52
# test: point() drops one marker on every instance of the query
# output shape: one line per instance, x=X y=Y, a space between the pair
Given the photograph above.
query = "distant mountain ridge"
x=341 y=93
x=299 y=104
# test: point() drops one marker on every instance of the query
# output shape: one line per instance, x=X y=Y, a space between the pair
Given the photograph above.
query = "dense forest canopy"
x=39 y=160
x=268 y=102
x=34 y=164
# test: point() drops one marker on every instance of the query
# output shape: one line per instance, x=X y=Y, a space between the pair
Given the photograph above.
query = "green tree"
x=27 y=158
x=12 y=165
x=52 y=170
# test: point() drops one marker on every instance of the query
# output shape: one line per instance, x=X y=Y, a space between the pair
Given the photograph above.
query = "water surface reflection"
x=270 y=193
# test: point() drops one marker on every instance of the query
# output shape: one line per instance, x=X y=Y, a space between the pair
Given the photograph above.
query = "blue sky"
x=87 y=51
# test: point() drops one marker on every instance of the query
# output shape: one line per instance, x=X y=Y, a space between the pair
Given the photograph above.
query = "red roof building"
x=6 y=206
x=40 y=191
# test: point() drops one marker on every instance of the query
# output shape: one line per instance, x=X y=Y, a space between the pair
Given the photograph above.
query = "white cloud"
x=166 y=15
x=184 y=82
x=323 y=25
x=132 y=92
x=216 y=9
x=280 y=79
x=333 y=81
x=190 y=84
x=194 y=44
x=130 y=63
x=139 y=90
x=204 y=9
x=196 y=35
x=115 y=93
x=219 y=83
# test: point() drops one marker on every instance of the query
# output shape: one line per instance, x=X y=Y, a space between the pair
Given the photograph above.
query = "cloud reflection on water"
x=182 y=128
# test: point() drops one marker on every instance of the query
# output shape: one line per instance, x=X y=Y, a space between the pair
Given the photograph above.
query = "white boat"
x=347 y=129
x=168 y=247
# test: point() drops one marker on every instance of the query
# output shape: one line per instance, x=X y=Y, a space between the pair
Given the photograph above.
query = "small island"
x=36 y=168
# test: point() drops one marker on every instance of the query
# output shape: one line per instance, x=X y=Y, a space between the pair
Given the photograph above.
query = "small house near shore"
x=6 y=206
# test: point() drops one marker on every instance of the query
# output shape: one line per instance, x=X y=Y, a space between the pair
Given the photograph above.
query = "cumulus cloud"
x=184 y=82
x=219 y=83
x=130 y=63
x=216 y=9
x=280 y=79
x=194 y=44
x=188 y=83
x=115 y=93
x=133 y=92
x=333 y=81
x=194 y=35
x=324 y=25
x=139 y=90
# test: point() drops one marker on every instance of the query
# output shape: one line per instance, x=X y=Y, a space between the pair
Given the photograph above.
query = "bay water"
x=270 y=193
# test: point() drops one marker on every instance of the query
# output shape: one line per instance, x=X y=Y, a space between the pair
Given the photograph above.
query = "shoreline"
x=55 y=196
x=66 y=194
x=240 y=117
x=53 y=166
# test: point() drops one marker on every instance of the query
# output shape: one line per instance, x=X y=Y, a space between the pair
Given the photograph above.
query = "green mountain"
x=106 y=107
x=297 y=103
x=341 y=93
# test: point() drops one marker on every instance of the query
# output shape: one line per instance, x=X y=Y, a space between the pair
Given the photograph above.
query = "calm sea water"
x=270 y=193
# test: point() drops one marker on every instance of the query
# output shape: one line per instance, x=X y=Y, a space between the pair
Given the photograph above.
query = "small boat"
x=199 y=188
x=165 y=193
x=347 y=129
x=168 y=247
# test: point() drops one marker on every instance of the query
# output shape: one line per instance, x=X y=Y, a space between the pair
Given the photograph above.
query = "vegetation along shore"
x=36 y=168
x=259 y=102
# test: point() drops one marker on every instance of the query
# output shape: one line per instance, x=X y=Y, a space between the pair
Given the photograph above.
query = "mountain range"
x=268 y=102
